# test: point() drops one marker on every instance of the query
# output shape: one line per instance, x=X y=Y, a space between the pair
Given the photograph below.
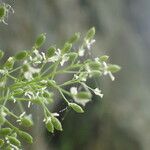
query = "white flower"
x=97 y=91
x=29 y=94
x=90 y=43
x=73 y=90
x=55 y=57
x=43 y=55
x=55 y=114
x=65 y=58
x=106 y=71
x=46 y=120
x=20 y=117
x=76 y=76
x=2 y=83
x=3 y=71
x=81 y=52
x=87 y=67
x=29 y=74
x=29 y=104
x=43 y=81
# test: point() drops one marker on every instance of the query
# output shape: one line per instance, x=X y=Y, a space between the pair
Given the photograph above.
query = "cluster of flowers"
x=30 y=76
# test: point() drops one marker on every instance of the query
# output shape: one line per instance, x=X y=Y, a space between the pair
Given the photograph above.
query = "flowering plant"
x=30 y=78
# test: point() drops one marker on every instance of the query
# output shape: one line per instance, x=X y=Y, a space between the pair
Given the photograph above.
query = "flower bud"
x=74 y=38
x=114 y=68
x=90 y=34
x=83 y=95
x=21 y=55
x=2 y=12
x=104 y=58
x=66 y=48
x=51 y=51
x=9 y=63
x=40 y=40
x=1 y=54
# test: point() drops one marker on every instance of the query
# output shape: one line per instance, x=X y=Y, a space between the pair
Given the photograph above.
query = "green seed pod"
x=94 y=65
x=40 y=40
x=114 y=68
x=9 y=63
x=74 y=38
x=21 y=55
x=25 y=136
x=5 y=131
x=51 y=51
x=66 y=48
x=14 y=141
x=50 y=126
x=1 y=142
x=90 y=34
x=1 y=54
x=96 y=73
x=76 y=107
x=26 y=121
x=57 y=124
x=104 y=58
x=84 y=95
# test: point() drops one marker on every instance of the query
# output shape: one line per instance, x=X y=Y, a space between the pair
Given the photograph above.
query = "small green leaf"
x=1 y=54
x=25 y=136
x=76 y=107
x=50 y=126
x=21 y=55
x=57 y=124
x=114 y=68
x=40 y=40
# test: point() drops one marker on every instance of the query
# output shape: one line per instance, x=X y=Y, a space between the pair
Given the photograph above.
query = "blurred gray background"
x=121 y=120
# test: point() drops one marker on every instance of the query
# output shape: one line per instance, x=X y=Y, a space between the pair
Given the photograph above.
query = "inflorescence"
x=30 y=78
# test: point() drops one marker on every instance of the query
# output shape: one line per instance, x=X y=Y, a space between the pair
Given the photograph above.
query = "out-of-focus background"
x=119 y=121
